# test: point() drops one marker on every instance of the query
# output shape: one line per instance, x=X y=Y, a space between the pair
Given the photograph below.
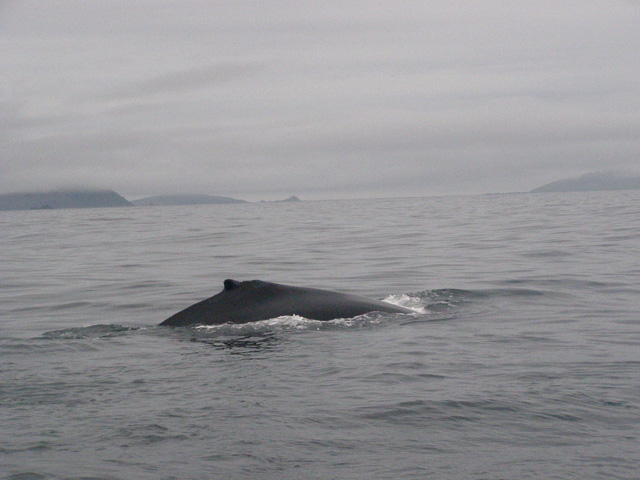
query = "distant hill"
x=592 y=182
x=158 y=200
x=62 y=199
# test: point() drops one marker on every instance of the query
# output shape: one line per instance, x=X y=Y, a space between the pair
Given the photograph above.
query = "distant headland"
x=81 y=198
x=161 y=200
x=592 y=182
x=62 y=199
x=292 y=198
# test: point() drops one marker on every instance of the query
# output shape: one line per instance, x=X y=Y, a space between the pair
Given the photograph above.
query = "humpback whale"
x=254 y=300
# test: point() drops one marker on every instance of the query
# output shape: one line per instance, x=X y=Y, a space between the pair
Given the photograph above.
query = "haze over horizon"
x=263 y=100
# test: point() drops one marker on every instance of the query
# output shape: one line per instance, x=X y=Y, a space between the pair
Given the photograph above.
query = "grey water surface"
x=522 y=360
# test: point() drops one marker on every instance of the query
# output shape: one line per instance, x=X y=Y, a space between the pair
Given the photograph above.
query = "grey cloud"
x=179 y=81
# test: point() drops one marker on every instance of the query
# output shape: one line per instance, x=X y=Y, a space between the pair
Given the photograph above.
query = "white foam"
x=291 y=322
x=285 y=322
x=407 y=301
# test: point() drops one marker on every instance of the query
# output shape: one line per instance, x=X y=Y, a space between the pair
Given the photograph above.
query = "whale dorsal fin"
x=230 y=284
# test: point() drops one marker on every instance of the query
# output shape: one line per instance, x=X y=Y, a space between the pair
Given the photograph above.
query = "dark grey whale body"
x=254 y=300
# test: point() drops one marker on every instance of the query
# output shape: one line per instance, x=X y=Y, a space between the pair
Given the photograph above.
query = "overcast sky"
x=332 y=99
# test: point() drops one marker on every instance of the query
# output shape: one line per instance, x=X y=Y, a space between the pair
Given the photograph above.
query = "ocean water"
x=521 y=361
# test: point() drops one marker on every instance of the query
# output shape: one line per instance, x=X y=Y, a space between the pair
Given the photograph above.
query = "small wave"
x=415 y=411
x=146 y=434
x=547 y=253
x=512 y=291
x=89 y=331
x=145 y=285
x=27 y=476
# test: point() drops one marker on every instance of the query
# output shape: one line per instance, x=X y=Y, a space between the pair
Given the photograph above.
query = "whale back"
x=254 y=300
